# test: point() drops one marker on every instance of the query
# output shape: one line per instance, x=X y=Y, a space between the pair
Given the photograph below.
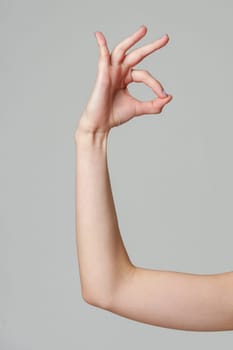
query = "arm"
x=108 y=278
x=103 y=259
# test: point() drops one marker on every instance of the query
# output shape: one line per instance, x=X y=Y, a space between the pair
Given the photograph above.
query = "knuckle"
x=104 y=53
x=118 y=51
x=145 y=72
x=104 y=59
x=140 y=56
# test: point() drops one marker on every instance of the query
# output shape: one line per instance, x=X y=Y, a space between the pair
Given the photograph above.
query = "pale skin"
x=109 y=279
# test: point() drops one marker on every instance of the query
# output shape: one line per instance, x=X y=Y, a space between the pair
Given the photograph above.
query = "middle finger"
x=119 y=52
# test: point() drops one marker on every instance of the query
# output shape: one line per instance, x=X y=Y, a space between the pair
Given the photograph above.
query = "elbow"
x=105 y=298
x=88 y=298
x=92 y=298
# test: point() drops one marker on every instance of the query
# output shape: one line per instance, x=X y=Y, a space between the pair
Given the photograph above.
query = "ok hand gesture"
x=110 y=103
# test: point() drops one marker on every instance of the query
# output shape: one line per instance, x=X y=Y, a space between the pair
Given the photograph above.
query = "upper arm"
x=176 y=300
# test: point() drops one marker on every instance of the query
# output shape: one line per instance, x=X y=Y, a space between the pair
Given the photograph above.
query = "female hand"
x=110 y=103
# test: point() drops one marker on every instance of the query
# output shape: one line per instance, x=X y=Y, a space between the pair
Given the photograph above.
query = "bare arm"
x=103 y=259
x=108 y=278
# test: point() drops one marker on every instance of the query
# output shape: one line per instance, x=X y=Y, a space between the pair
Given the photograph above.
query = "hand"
x=110 y=103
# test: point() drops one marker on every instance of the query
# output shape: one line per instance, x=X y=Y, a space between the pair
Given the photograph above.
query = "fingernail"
x=164 y=93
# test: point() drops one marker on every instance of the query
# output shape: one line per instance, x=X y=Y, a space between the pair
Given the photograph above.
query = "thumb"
x=151 y=107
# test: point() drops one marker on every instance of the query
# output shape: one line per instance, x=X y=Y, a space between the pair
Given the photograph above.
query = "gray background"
x=171 y=173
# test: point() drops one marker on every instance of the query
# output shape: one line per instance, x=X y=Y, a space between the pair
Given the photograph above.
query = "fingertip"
x=170 y=96
x=96 y=33
x=100 y=37
x=96 y=36
x=164 y=94
x=165 y=36
x=141 y=31
x=143 y=26
x=167 y=95
x=166 y=99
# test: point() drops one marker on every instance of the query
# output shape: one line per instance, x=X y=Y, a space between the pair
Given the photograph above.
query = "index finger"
x=119 y=51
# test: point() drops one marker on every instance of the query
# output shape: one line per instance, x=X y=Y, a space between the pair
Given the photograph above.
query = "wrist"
x=91 y=138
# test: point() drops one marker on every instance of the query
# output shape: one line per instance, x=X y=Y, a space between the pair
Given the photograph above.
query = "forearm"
x=102 y=257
